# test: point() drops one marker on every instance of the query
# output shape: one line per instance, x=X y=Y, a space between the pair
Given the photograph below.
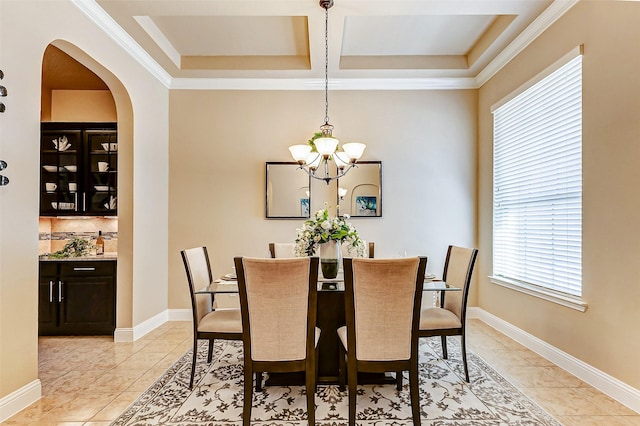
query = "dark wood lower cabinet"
x=77 y=297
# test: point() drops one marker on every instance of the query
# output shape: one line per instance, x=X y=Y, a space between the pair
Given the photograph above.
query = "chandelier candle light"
x=323 y=146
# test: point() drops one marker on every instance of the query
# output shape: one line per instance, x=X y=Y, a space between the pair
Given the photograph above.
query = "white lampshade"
x=326 y=146
x=354 y=149
x=342 y=192
x=313 y=160
x=341 y=159
x=300 y=152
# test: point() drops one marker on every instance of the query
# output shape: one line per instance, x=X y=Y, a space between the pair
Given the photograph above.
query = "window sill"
x=561 y=299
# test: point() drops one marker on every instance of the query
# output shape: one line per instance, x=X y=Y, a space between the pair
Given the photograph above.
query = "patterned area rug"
x=216 y=398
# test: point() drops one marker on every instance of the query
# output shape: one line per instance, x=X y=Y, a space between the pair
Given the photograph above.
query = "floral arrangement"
x=76 y=247
x=321 y=228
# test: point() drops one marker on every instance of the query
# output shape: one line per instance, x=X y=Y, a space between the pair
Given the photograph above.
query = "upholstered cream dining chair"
x=449 y=319
x=281 y=250
x=369 y=250
x=207 y=323
x=278 y=301
x=382 y=309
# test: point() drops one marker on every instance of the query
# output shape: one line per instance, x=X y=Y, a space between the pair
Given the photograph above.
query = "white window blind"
x=537 y=178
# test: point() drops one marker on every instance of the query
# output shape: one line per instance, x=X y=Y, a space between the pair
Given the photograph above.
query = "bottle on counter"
x=99 y=244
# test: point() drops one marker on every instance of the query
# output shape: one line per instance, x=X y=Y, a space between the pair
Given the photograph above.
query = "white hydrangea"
x=321 y=228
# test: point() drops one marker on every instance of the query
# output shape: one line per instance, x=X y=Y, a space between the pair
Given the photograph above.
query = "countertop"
x=92 y=258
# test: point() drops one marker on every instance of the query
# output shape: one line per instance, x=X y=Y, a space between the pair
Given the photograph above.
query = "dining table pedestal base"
x=297 y=379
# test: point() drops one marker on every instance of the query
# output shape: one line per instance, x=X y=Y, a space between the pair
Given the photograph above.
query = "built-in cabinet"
x=77 y=297
x=79 y=169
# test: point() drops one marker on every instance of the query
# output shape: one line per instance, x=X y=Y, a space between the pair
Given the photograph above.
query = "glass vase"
x=330 y=258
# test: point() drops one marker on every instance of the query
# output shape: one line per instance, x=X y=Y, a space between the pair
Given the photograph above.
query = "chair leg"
x=310 y=383
x=248 y=394
x=398 y=381
x=193 y=361
x=464 y=358
x=315 y=369
x=444 y=346
x=415 y=393
x=210 y=352
x=353 y=388
x=342 y=369
x=259 y=381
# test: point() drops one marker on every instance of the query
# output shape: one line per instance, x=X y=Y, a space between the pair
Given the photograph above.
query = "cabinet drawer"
x=87 y=268
x=48 y=269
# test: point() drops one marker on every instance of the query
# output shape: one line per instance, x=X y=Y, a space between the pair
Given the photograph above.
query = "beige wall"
x=82 y=105
x=607 y=335
x=220 y=140
x=25 y=32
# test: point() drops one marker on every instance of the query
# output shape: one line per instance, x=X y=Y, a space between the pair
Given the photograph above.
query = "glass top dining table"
x=223 y=285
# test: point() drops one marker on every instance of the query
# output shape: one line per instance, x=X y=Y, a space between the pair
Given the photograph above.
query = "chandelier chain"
x=326 y=65
x=314 y=157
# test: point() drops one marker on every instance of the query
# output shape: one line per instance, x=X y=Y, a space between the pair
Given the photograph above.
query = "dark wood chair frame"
x=353 y=365
x=460 y=331
x=308 y=365
x=210 y=336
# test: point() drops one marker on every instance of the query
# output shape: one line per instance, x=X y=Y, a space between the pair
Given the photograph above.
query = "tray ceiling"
x=280 y=44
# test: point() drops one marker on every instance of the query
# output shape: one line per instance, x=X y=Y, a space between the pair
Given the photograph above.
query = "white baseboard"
x=133 y=334
x=605 y=383
x=149 y=325
x=20 y=399
x=123 y=335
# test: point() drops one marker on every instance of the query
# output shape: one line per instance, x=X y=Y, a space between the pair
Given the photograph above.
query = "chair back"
x=281 y=250
x=382 y=305
x=198 y=269
x=458 y=268
x=278 y=302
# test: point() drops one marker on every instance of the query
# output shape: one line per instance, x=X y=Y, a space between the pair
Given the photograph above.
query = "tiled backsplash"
x=54 y=233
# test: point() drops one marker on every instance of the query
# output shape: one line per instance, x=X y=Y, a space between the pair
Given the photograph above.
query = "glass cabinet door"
x=60 y=177
x=79 y=169
x=102 y=164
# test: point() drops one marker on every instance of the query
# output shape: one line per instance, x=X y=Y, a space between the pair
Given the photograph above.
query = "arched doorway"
x=67 y=68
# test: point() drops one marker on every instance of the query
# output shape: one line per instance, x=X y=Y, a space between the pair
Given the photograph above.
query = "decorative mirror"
x=288 y=191
x=360 y=190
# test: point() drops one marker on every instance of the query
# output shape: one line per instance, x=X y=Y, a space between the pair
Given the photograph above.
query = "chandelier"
x=315 y=159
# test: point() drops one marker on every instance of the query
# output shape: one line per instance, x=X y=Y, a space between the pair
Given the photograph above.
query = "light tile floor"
x=91 y=380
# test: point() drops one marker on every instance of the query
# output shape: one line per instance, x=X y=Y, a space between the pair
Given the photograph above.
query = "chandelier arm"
x=326 y=178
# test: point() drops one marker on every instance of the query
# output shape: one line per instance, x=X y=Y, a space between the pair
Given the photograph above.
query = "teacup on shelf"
x=111 y=204
x=61 y=143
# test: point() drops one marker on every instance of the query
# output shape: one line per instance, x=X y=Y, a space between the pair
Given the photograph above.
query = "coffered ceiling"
x=280 y=44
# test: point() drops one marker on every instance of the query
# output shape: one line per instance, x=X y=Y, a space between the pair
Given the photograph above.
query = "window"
x=537 y=186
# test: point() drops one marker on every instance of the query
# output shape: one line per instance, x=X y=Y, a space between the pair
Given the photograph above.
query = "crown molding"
x=105 y=22
x=318 y=84
x=550 y=15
